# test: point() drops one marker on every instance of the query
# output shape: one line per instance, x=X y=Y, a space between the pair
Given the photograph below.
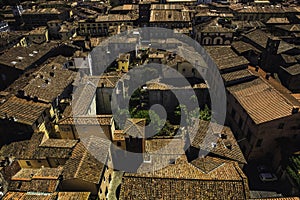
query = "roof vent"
x=295 y=110
x=172 y=161
x=223 y=136
x=20 y=58
x=52 y=74
x=213 y=145
x=228 y=145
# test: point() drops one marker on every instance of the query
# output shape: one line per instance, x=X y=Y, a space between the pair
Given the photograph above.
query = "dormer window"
x=172 y=161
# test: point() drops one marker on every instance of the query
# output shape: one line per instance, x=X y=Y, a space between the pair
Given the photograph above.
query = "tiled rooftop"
x=59 y=143
x=85 y=162
x=169 y=16
x=237 y=75
x=116 y=17
x=36 y=180
x=82 y=98
x=22 y=110
x=242 y=47
x=294 y=69
x=165 y=146
x=166 y=7
x=42 y=11
x=278 y=20
x=259 y=37
x=87 y=120
x=30 y=149
x=183 y=180
x=73 y=195
x=27 y=174
x=24 y=57
x=261 y=101
x=29 y=196
x=229 y=60
x=290 y=27
x=50 y=81
x=135 y=127
x=225 y=146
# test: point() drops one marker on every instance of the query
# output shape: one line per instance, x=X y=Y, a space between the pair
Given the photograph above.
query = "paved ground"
x=257 y=186
x=116 y=181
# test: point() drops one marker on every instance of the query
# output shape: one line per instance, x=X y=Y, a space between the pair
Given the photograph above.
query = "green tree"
x=205 y=114
x=182 y=110
x=293 y=168
x=151 y=117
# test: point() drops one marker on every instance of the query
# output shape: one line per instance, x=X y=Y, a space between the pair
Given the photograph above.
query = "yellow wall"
x=123 y=64
x=52 y=162
x=33 y=163
x=104 y=186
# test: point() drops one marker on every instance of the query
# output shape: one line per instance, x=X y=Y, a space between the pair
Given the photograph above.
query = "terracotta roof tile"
x=183 y=180
x=24 y=57
x=22 y=110
x=50 y=81
x=135 y=127
x=29 y=196
x=73 y=195
x=87 y=120
x=82 y=98
x=258 y=94
x=85 y=162
x=242 y=47
x=59 y=143
x=229 y=60
x=30 y=149
x=225 y=144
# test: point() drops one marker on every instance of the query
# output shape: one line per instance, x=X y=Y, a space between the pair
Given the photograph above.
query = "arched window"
x=206 y=41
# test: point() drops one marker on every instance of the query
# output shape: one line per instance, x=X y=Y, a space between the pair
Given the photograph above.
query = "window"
x=280 y=126
x=28 y=163
x=19 y=184
x=259 y=142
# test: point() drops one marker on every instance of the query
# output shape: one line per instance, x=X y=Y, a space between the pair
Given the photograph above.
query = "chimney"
x=268 y=76
x=256 y=68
